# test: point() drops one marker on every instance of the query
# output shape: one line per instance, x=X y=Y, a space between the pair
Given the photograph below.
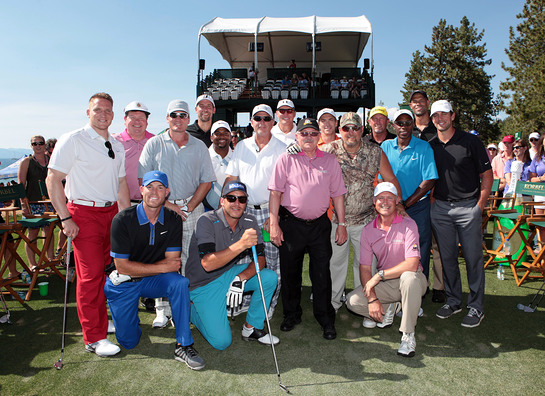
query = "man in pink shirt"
x=133 y=139
x=301 y=187
x=394 y=241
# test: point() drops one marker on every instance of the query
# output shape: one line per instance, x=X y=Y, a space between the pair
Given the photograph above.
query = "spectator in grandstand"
x=344 y=83
x=294 y=80
x=335 y=84
x=205 y=109
x=286 y=82
x=286 y=128
x=292 y=65
x=354 y=87
x=303 y=82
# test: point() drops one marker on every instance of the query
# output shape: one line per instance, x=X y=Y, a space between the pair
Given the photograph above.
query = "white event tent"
x=314 y=42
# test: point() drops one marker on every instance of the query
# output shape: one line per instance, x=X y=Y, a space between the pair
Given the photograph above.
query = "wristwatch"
x=342 y=224
x=381 y=274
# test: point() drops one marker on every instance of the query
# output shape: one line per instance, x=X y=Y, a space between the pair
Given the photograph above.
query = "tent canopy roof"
x=342 y=39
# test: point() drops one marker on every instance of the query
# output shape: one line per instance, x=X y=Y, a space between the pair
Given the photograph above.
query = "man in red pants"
x=93 y=164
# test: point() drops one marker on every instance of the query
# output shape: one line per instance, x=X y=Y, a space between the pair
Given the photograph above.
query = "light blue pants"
x=209 y=308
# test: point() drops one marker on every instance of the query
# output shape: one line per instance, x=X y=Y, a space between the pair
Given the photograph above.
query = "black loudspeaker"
x=201 y=64
x=366 y=63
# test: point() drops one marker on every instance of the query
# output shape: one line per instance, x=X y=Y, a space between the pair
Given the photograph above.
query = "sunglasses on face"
x=284 y=111
x=517 y=147
x=111 y=153
x=181 y=115
x=533 y=140
x=403 y=123
x=37 y=143
x=259 y=118
x=492 y=149
x=305 y=134
x=348 y=128
x=232 y=198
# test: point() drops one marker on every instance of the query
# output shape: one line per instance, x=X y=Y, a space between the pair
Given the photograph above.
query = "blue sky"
x=56 y=54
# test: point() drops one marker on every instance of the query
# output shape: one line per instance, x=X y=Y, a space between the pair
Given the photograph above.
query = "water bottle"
x=506 y=247
x=25 y=277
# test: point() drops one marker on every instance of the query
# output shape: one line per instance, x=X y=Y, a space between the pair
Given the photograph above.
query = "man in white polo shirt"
x=187 y=164
x=220 y=154
x=286 y=128
x=93 y=164
x=253 y=164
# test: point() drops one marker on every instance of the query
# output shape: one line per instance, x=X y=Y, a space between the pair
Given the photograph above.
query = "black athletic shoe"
x=473 y=318
x=189 y=356
x=446 y=311
x=329 y=332
x=438 y=296
x=148 y=304
x=260 y=336
x=289 y=323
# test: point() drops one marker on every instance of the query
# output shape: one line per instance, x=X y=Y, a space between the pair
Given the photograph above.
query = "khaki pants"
x=408 y=289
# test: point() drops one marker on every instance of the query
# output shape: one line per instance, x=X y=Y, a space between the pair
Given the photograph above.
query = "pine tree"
x=524 y=89
x=452 y=68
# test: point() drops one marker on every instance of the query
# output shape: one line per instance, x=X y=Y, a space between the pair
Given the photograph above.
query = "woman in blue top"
x=520 y=150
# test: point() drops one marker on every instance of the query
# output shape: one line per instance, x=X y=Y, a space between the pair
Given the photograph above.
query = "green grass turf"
x=505 y=355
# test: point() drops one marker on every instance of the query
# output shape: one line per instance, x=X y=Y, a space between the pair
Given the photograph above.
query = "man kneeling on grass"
x=146 y=247
x=394 y=241
x=220 y=270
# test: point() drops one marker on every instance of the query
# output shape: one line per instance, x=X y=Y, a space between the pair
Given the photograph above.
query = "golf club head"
x=525 y=308
x=58 y=364
x=283 y=387
x=5 y=319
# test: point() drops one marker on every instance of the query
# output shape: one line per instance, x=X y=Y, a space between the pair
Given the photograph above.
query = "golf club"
x=258 y=273
x=58 y=364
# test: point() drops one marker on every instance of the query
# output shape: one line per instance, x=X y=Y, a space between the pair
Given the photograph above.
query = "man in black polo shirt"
x=220 y=269
x=461 y=192
x=146 y=245
x=423 y=125
x=205 y=109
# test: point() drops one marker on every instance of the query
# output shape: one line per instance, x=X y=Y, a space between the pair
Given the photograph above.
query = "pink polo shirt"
x=391 y=247
x=133 y=149
x=307 y=183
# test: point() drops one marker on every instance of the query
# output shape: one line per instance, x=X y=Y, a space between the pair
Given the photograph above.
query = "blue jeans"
x=209 y=308
x=123 y=302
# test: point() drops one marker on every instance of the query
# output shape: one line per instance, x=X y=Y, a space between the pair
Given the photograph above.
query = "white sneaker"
x=103 y=348
x=258 y=335
x=388 y=317
x=369 y=323
x=408 y=345
x=111 y=327
x=162 y=309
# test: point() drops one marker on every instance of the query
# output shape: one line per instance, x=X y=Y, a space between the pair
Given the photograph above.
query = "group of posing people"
x=179 y=212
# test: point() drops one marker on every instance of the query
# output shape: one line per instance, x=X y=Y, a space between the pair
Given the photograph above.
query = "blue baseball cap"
x=234 y=185
x=155 y=175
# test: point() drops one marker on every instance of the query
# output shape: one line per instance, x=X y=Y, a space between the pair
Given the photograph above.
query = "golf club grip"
x=254 y=254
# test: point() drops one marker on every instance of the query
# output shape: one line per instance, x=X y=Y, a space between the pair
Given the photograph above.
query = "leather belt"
x=91 y=203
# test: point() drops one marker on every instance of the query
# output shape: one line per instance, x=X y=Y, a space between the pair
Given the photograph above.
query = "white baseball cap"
x=205 y=97
x=136 y=106
x=492 y=145
x=385 y=187
x=285 y=102
x=220 y=124
x=403 y=111
x=326 y=111
x=534 y=135
x=262 y=107
x=177 y=105
x=441 y=105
